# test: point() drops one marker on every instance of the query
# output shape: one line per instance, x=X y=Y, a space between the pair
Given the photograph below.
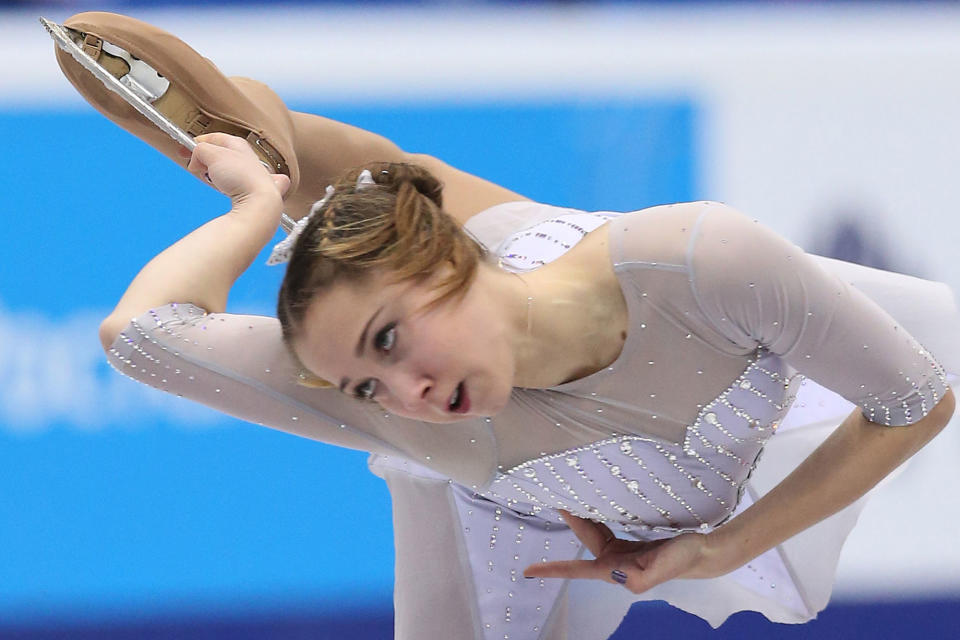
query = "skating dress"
x=728 y=323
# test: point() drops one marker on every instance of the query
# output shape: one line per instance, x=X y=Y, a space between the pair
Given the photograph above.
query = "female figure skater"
x=612 y=378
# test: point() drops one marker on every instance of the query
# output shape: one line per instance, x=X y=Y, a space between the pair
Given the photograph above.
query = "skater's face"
x=383 y=341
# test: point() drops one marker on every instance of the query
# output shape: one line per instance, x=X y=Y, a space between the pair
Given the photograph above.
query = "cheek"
x=457 y=341
x=428 y=342
x=465 y=330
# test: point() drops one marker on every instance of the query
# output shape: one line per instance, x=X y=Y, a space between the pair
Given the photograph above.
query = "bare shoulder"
x=464 y=194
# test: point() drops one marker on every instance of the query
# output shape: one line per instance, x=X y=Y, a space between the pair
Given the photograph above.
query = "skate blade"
x=65 y=42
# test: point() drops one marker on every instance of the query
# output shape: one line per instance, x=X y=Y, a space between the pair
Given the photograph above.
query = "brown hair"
x=398 y=225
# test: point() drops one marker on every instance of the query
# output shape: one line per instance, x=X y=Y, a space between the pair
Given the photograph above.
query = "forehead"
x=337 y=313
x=336 y=317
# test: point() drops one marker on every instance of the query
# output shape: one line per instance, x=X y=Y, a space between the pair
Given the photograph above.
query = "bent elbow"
x=110 y=328
x=946 y=407
x=938 y=417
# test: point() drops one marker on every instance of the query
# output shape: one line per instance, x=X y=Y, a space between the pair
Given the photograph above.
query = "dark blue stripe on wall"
x=930 y=620
x=894 y=620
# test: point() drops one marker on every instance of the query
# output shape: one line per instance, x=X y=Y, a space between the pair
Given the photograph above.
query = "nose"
x=410 y=389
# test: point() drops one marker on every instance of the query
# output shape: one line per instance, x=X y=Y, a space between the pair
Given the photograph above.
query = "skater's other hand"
x=637 y=565
x=230 y=165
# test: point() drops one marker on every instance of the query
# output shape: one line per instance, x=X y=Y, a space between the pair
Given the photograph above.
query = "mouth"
x=460 y=400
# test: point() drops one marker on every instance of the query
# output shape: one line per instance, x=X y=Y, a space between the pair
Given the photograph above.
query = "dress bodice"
x=650 y=487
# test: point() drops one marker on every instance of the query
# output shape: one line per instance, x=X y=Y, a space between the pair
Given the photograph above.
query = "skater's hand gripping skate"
x=230 y=165
x=201 y=267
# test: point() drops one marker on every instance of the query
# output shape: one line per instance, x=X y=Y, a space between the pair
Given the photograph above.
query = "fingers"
x=209 y=151
x=639 y=580
x=634 y=579
x=224 y=140
x=594 y=535
x=197 y=166
x=204 y=155
x=231 y=166
x=213 y=147
x=568 y=569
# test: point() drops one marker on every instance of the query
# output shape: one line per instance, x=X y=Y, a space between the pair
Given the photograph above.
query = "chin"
x=451 y=419
x=458 y=417
x=434 y=418
x=495 y=405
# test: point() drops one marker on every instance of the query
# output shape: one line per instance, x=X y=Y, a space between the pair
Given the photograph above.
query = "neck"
x=558 y=322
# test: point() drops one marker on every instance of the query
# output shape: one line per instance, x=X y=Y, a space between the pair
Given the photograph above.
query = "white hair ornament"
x=282 y=250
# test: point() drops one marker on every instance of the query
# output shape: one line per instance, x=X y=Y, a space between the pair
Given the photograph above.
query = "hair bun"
x=393 y=175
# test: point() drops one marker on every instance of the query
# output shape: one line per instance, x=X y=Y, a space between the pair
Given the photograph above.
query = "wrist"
x=263 y=205
x=721 y=553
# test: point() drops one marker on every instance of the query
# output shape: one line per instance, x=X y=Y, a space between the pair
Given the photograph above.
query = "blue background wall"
x=126 y=514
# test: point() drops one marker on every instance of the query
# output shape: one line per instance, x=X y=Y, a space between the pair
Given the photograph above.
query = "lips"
x=460 y=400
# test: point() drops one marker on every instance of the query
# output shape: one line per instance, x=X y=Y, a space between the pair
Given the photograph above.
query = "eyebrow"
x=362 y=342
x=361 y=345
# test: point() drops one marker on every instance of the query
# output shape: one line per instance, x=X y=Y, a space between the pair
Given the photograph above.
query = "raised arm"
x=201 y=267
x=167 y=330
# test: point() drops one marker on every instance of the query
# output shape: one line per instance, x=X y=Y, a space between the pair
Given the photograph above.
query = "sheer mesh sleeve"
x=759 y=290
x=238 y=365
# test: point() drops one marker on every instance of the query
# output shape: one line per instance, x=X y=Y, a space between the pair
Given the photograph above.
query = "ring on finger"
x=618 y=576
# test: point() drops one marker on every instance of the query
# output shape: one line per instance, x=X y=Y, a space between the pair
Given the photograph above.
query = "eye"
x=386 y=338
x=366 y=390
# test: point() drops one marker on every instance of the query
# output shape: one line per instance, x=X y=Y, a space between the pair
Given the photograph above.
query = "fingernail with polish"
x=618 y=576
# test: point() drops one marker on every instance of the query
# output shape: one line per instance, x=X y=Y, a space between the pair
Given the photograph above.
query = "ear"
x=307 y=379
